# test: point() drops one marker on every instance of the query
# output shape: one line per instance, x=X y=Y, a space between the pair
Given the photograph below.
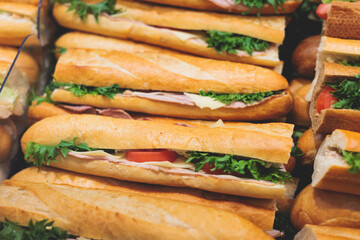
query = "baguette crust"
x=348 y=47
x=325 y=208
x=22 y=9
x=271 y=109
x=309 y=144
x=313 y=232
x=44 y=110
x=300 y=112
x=91 y=41
x=94 y=214
x=24 y=62
x=115 y=135
x=193 y=43
x=343 y=20
x=152 y=71
x=288 y=6
x=331 y=169
x=258 y=211
x=330 y=119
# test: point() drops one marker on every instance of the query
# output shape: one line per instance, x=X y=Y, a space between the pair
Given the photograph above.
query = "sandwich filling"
x=344 y=94
x=9 y=102
x=247 y=5
x=186 y=162
x=202 y=100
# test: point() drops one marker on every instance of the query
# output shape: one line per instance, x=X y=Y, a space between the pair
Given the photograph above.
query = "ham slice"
x=110 y=112
x=229 y=5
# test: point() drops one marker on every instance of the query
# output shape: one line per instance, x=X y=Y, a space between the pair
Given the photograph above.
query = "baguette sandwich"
x=337 y=163
x=313 y=232
x=111 y=215
x=169 y=84
x=223 y=160
x=244 y=7
x=300 y=112
x=213 y=35
x=91 y=41
x=18 y=20
x=325 y=208
x=24 y=62
x=258 y=211
x=335 y=100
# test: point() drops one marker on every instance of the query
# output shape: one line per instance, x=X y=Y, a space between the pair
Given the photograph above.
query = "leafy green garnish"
x=76 y=89
x=46 y=154
x=248 y=168
x=350 y=63
x=231 y=42
x=353 y=159
x=330 y=1
x=296 y=151
x=60 y=50
x=347 y=92
x=40 y=230
x=83 y=9
x=243 y=97
x=259 y=4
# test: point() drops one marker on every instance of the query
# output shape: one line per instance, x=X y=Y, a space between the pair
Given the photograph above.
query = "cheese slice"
x=205 y=102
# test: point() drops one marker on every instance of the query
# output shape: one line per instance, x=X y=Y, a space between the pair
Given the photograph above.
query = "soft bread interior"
x=329 y=155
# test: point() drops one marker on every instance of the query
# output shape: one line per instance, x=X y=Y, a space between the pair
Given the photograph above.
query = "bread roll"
x=102 y=214
x=309 y=144
x=313 y=232
x=115 y=134
x=17 y=21
x=300 y=112
x=325 y=208
x=224 y=6
x=304 y=56
x=24 y=62
x=331 y=171
x=258 y=211
x=343 y=20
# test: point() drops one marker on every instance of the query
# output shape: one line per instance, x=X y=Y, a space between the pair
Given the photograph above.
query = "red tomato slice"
x=207 y=169
x=323 y=10
x=325 y=99
x=156 y=155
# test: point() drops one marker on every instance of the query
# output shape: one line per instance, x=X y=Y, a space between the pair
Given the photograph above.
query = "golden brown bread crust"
x=340 y=46
x=44 y=110
x=115 y=135
x=314 y=232
x=24 y=62
x=352 y=140
x=91 y=41
x=271 y=109
x=102 y=214
x=300 y=112
x=330 y=119
x=7 y=139
x=258 y=211
x=33 y=2
x=309 y=143
x=297 y=83
x=325 y=208
x=304 y=56
x=343 y=20
x=193 y=43
x=287 y=7
x=22 y=9
x=152 y=71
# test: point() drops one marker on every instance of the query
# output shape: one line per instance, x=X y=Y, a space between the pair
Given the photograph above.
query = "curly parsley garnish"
x=243 y=97
x=231 y=42
x=353 y=159
x=40 y=230
x=83 y=9
x=347 y=92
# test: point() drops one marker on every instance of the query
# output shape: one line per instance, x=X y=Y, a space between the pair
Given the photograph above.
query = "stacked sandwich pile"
x=94 y=124
x=18 y=20
x=332 y=199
